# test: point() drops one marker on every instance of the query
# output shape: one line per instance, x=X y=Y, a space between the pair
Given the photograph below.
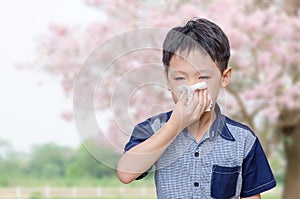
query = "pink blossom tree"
x=265 y=88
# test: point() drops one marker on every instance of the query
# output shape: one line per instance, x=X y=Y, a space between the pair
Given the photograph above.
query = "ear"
x=226 y=77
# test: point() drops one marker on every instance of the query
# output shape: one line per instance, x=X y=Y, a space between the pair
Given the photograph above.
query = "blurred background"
x=44 y=44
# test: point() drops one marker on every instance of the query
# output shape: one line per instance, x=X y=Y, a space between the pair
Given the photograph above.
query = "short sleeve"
x=140 y=133
x=144 y=130
x=257 y=175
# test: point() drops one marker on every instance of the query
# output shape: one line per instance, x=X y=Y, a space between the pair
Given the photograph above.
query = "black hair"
x=200 y=34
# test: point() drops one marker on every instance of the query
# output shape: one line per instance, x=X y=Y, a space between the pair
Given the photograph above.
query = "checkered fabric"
x=228 y=162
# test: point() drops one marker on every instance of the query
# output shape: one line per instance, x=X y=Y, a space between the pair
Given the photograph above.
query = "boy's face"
x=194 y=68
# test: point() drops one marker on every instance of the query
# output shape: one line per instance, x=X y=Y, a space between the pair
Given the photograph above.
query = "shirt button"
x=196 y=184
x=197 y=154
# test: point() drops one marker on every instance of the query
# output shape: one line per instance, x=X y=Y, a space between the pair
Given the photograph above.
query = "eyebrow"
x=198 y=71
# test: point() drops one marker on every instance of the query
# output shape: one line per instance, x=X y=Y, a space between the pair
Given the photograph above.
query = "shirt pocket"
x=224 y=181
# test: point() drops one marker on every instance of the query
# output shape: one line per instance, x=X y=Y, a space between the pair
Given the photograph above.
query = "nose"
x=193 y=81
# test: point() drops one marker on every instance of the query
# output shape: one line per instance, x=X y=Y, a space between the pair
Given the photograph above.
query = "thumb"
x=184 y=98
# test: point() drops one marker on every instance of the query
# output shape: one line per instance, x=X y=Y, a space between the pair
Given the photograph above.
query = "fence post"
x=47 y=192
x=98 y=192
x=121 y=191
x=143 y=191
x=74 y=192
x=18 y=193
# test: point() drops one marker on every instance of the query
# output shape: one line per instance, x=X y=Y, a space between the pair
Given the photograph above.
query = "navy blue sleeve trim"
x=144 y=174
x=143 y=130
x=260 y=189
x=140 y=133
x=257 y=175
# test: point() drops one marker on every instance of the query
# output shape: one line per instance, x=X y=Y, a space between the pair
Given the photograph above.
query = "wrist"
x=175 y=123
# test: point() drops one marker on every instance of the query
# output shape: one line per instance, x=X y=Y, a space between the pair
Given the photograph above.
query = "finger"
x=195 y=100
x=184 y=98
x=209 y=101
x=200 y=100
x=205 y=99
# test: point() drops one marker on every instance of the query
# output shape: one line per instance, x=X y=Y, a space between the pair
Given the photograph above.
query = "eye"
x=179 y=78
x=204 y=77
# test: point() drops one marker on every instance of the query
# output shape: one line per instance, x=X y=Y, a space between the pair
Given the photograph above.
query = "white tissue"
x=190 y=90
x=200 y=85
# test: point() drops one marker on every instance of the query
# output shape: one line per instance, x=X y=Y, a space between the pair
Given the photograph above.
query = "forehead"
x=195 y=61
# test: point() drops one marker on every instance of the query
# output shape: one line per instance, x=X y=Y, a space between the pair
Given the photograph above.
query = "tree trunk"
x=292 y=178
x=291 y=133
x=292 y=6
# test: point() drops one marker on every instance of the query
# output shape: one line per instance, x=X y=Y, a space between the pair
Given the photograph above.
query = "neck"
x=200 y=127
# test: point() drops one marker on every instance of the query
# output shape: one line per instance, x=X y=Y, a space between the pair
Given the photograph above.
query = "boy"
x=197 y=151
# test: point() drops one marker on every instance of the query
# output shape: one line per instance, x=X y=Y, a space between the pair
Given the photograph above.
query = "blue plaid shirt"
x=228 y=162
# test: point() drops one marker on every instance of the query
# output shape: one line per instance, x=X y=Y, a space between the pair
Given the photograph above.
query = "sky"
x=32 y=102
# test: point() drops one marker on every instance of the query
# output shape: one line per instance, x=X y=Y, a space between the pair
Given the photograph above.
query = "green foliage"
x=271 y=196
x=4 y=180
x=57 y=165
x=85 y=164
x=49 y=160
x=10 y=163
x=277 y=163
x=288 y=141
x=51 y=170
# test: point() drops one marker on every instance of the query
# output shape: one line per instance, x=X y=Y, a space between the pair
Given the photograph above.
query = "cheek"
x=214 y=89
x=173 y=85
x=175 y=93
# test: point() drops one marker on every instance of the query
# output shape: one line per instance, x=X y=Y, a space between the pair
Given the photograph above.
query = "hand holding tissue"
x=190 y=90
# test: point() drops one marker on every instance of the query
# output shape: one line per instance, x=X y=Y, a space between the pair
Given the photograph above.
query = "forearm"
x=141 y=157
x=253 y=197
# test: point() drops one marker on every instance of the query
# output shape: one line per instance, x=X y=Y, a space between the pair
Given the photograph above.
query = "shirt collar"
x=217 y=128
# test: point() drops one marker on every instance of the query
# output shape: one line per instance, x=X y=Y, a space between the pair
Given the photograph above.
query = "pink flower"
x=67 y=115
x=59 y=30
